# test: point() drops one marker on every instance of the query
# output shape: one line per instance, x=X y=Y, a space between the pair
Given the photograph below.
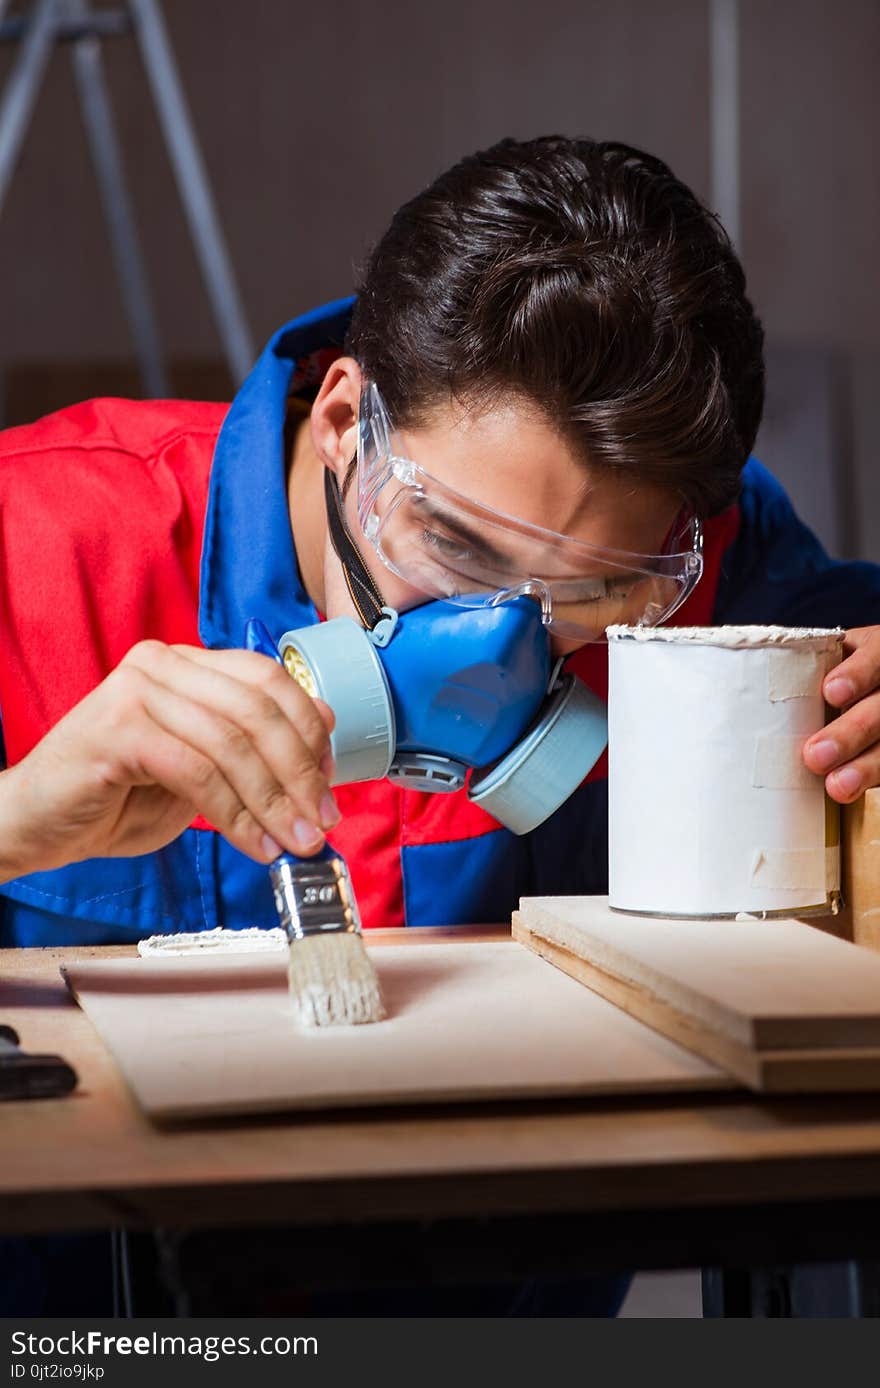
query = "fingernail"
x=330 y=813
x=327 y=766
x=306 y=835
x=839 y=691
x=270 y=847
x=823 y=754
x=848 y=779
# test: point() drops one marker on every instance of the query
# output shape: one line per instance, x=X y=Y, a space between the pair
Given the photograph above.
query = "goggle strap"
x=358 y=580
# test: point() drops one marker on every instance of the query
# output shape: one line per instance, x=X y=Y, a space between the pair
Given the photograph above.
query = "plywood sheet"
x=196 y=1037
x=766 y=983
x=781 y=1071
x=780 y=1005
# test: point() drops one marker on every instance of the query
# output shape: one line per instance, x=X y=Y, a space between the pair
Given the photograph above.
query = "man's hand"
x=847 y=751
x=172 y=732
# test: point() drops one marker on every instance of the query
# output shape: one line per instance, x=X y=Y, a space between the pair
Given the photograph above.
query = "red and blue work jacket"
x=123 y=520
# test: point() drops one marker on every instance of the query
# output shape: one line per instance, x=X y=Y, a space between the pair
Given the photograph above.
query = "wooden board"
x=195 y=1037
x=861 y=867
x=779 y=1005
x=858 y=919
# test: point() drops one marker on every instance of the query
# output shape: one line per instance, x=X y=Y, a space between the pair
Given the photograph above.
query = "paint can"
x=712 y=812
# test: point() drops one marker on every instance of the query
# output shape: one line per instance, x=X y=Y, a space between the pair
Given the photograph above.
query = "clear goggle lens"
x=449 y=547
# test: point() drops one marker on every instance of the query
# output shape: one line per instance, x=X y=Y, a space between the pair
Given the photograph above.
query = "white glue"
x=251 y=940
x=712 y=811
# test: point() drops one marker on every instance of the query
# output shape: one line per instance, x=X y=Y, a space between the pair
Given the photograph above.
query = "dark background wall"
x=316 y=121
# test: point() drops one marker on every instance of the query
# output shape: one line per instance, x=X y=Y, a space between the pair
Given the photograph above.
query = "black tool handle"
x=24 y=1076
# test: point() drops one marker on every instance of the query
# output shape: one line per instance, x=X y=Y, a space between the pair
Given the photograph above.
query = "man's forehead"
x=509 y=458
x=503 y=422
x=500 y=455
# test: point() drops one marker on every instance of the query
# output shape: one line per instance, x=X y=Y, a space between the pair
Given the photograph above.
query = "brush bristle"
x=333 y=981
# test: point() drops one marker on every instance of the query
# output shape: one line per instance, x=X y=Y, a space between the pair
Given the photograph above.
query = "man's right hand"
x=172 y=732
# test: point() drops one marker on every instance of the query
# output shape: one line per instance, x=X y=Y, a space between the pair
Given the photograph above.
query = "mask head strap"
x=358 y=580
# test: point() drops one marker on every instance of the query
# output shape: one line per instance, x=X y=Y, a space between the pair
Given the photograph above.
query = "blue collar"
x=249 y=566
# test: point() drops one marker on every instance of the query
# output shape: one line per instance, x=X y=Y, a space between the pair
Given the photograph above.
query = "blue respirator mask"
x=442 y=696
x=463 y=690
x=430 y=695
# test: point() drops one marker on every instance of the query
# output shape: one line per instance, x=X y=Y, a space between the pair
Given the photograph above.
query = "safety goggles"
x=450 y=547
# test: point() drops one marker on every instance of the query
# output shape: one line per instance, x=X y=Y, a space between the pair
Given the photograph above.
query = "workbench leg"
x=867 y=1289
x=805 y=1291
x=727 y=1292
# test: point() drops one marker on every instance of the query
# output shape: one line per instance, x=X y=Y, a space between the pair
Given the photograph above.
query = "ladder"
x=79 y=24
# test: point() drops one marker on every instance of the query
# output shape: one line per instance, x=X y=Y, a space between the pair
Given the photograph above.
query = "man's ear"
x=335 y=415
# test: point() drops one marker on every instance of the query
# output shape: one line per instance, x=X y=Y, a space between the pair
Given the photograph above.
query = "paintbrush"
x=332 y=979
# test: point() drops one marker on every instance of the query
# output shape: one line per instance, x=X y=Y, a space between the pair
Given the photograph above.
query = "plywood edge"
x=640 y=1002
x=819 y=1072
x=619 y=964
x=469 y=1095
x=67 y=971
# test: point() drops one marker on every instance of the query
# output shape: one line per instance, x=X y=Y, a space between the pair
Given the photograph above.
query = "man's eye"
x=616 y=588
x=620 y=587
x=445 y=545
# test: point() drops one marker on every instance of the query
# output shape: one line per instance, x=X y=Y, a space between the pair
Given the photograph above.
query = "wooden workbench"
x=91 y=1160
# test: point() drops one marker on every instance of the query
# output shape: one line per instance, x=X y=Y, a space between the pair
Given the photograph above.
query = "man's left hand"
x=847 y=750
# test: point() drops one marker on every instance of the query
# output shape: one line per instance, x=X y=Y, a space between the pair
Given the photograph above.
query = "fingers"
x=847 y=750
x=859 y=673
x=261 y=672
x=160 y=758
x=257 y=765
x=312 y=716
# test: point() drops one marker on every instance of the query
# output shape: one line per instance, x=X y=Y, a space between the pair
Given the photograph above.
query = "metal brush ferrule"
x=314 y=896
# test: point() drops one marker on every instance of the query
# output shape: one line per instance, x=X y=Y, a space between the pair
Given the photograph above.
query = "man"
x=554 y=340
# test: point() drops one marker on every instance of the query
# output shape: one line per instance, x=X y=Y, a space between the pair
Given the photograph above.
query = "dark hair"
x=583 y=275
